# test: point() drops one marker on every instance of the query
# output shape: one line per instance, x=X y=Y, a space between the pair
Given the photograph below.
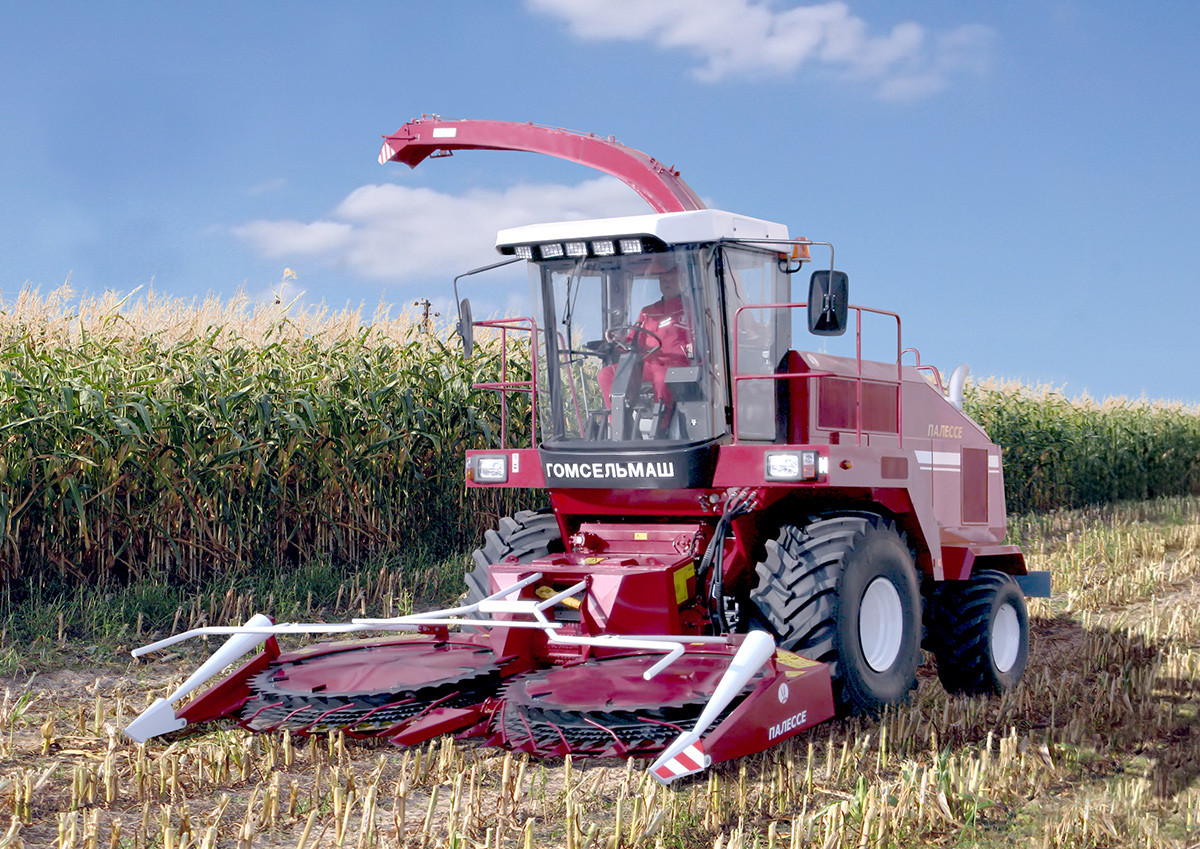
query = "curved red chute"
x=660 y=185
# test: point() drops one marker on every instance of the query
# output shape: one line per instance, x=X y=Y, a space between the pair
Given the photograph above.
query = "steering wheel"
x=615 y=335
x=597 y=348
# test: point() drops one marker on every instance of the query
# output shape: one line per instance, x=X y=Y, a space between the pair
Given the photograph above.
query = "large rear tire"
x=528 y=535
x=843 y=590
x=979 y=632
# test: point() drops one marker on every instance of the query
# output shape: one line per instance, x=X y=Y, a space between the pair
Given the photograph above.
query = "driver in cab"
x=662 y=333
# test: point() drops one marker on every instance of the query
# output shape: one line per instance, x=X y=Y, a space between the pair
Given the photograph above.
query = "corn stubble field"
x=1099 y=746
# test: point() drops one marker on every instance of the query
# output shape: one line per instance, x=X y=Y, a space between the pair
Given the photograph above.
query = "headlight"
x=490 y=469
x=791 y=466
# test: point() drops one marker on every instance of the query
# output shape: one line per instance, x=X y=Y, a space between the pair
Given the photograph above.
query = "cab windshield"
x=630 y=349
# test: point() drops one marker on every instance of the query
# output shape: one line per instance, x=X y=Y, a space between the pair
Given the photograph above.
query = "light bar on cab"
x=580 y=248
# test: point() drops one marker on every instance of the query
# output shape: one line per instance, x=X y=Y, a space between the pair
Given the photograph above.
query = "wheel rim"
x=880 y=624
x=1006 y=638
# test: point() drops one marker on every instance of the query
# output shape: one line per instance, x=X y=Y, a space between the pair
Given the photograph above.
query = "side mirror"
x=828 y=297
x=466 y=329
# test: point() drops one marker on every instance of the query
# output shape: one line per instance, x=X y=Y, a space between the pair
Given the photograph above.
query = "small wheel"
x=980 y=633
x=843 y=590
x=622 y=337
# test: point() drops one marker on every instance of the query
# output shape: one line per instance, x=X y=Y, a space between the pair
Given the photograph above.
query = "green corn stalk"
x=127 y=459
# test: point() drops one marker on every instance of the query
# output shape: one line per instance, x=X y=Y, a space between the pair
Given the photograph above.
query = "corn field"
x=1099 y=746
x=1064 y=453
x=177 y=440
x=168 y=439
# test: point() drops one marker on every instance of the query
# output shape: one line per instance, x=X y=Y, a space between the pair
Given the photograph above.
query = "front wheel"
x=980 y=633
x=843 y=590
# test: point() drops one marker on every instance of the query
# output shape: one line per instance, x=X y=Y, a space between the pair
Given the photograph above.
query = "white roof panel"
x=704 y=225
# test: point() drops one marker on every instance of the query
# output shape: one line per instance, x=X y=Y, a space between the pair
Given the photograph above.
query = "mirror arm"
x=465 y=333
x=481 y=269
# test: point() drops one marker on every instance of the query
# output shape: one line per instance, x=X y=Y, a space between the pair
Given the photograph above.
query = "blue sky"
x=1018 y=180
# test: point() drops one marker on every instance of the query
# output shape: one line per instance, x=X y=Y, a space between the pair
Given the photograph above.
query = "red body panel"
x=437 y=722
x=915 y=456
x=524 y=467
x=636 y=593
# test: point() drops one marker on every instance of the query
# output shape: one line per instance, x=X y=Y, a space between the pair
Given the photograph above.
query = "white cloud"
x=403 y=233
x=294 y=238
x=753 y=38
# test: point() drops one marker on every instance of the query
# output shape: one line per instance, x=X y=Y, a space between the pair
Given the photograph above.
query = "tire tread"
x=959 y=625
x=799 y=585
x=529 y=534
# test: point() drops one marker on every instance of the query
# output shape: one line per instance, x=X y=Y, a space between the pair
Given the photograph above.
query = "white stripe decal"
x=947 y=461
x=939 y=458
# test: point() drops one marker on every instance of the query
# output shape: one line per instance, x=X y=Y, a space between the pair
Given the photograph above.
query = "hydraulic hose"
x=739 y=504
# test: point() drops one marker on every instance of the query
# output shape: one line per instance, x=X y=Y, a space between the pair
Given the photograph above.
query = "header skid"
x=659 y=185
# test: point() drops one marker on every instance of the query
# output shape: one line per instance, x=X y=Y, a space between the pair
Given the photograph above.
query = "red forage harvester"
x=743 y=538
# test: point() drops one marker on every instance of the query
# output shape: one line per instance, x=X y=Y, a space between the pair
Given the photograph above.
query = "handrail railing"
x=919 y=366
x=738 y=377
x=504 y=385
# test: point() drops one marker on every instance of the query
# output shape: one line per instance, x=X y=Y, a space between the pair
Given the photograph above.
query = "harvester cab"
x=633 y=350
x=742 y=538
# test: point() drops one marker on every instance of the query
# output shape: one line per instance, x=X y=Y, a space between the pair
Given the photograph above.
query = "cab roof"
x=672 y=228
